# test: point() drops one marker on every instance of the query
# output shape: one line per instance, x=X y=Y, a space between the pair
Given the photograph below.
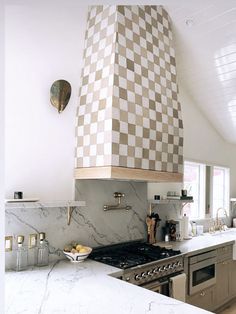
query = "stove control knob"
x=144 y=275
x=172 y=266
x=137 y=277
x=162 y=268
x=156 y=270
x=127 y=279
x=150 y=273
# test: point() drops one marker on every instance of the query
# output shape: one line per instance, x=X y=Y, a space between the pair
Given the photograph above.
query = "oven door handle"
x=155 y=284
x=164 y=282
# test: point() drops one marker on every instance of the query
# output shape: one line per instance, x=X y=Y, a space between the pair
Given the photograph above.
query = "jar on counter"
x=43 y=250
x=21 y=254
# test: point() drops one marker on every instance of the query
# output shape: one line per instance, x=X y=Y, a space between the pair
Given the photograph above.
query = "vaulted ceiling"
x=205 y=37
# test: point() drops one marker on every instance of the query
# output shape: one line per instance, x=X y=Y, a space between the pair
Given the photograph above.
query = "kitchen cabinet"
x=224 y=290
x=232 y=279
x=202 y=279
x=203 y=299
x=223 y=275
x=222 y=283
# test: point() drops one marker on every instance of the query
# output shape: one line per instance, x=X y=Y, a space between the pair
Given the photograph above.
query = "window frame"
x=226 y=194
x=202 y=190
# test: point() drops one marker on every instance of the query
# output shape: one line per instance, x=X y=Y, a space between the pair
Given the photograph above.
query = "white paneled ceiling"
x=206 y=59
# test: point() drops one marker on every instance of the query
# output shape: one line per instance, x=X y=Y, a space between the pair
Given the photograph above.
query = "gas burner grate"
x=131 y=254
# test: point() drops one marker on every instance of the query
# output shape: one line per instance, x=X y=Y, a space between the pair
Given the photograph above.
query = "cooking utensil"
x=152 y=222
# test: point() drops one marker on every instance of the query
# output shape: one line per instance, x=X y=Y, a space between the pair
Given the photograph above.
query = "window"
x=220 y=189
x=209 y=186
x=194 y=183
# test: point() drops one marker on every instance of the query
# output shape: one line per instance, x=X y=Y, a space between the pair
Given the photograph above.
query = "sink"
x=224 y=233
x=218 y=234
x=231 y=234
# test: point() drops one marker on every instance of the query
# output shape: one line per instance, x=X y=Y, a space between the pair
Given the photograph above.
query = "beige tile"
x=140 y=73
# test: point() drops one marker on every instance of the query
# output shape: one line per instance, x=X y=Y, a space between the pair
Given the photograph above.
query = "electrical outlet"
x=32 y=240
x=8 y=243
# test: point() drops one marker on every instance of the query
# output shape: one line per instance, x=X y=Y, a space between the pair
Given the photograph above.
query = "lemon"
x=79 y=247
x=83 y=250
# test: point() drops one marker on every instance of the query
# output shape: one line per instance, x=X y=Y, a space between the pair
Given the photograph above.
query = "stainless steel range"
x=143 y=264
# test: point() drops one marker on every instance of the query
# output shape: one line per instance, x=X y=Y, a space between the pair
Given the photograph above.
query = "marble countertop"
x=83 y=288
x=87 y=288
x=205 y=241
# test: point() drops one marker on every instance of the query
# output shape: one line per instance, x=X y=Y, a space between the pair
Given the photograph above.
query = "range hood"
x=129 y=123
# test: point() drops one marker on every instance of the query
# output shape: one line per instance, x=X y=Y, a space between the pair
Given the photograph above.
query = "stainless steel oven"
x=163 y=285
x=202 y=271
x=159 y=287
x=156 y=276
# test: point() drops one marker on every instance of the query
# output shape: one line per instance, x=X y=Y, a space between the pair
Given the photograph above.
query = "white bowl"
x=78 y=257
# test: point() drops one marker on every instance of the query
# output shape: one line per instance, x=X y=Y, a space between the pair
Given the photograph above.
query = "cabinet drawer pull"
x=225 y=263
x=203 y=293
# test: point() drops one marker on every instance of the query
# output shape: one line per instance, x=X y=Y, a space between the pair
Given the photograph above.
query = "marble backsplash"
x=90 y=225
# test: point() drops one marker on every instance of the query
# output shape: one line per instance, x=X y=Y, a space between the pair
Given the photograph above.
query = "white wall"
x=43 y=43
x=201 y=143
x=162 y=188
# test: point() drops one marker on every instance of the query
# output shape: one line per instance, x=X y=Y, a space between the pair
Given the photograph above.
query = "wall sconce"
x=60 y=93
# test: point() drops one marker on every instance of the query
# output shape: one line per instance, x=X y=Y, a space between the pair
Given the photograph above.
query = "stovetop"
x=131 y=254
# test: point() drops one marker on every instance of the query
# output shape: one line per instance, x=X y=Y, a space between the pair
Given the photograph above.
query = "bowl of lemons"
x=76 y=252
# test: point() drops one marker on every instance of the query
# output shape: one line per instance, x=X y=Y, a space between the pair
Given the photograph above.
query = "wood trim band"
x=122 y=173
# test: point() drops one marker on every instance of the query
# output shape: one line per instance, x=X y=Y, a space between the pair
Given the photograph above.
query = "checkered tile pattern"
x=129 y=114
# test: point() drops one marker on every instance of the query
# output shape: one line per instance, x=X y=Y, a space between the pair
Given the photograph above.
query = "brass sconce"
x=60 y=93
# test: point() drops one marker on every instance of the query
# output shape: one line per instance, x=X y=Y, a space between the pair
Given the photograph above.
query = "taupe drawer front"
x=203 y=299
x=224 y=253
x=201 y=257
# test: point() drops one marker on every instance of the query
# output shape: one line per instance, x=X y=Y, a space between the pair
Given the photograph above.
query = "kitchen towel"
x=178 y=287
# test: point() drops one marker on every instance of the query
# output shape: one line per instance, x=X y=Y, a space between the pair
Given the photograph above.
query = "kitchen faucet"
x=218 y=225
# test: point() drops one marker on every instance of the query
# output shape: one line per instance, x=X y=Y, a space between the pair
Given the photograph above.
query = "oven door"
x=159 y=287
x=202 y=275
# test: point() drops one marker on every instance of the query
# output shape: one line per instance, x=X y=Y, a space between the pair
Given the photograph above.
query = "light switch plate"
x=32 y=240
x=8 y=243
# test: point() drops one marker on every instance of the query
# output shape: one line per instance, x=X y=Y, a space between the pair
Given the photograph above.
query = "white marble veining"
x=90 y=225
x=83 y=288
x=86 y=288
